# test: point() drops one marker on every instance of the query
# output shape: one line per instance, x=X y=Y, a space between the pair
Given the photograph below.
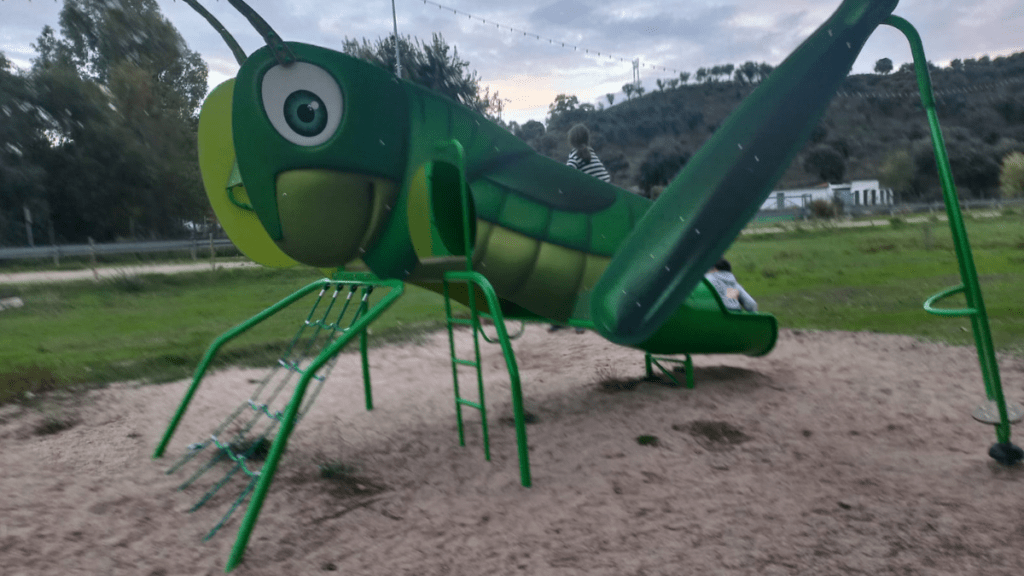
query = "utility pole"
x=28 y=225
x=398 y=61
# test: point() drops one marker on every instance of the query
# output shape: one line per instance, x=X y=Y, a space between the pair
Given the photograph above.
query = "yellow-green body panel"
x=216 y=161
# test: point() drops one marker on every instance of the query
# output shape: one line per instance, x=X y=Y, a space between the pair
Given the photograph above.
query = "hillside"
x=875 y=128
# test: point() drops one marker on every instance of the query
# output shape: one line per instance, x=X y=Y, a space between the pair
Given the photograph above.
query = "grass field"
x=156 y=328
x=877 y=278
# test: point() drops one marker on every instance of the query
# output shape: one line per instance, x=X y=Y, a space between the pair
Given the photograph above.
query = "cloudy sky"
x=667 y=36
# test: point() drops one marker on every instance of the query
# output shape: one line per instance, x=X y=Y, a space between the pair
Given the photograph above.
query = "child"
x=733 y=295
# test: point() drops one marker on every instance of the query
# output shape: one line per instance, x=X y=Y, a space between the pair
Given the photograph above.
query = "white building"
x=855 y=193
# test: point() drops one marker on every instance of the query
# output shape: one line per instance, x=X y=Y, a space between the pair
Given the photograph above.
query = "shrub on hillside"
x=663 y=160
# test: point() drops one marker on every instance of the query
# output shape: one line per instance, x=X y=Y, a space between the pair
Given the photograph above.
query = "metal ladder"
x=451 y=151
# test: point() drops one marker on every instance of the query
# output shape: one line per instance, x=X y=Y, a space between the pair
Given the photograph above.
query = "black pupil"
x=305 y=113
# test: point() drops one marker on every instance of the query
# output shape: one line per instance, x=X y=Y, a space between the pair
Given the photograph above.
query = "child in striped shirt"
x=583 y=157
x=585 y=160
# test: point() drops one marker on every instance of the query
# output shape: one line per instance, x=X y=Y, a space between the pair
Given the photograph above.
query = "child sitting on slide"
x=733 y=295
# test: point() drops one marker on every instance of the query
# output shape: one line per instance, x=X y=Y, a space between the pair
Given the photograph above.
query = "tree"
x=825 y=162
x=97 y=35
x=561 y=105
x=684 y=77
x=628 y=89
x=727 y=70
x=120 y=91
x=611 y=98
x=531 y=130
x=662 y=161
x=883 y=66
x=897 y=172
x=973 y=162
x=436 y=66
x=22 y=177
x=1011 y=176
x=750 y=71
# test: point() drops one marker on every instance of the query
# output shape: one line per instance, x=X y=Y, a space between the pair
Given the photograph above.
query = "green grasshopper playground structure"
x=424 y=191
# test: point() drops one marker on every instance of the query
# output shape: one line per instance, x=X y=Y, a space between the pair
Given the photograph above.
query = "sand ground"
x=838 y=453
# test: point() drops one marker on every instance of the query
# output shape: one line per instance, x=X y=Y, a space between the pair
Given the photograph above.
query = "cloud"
x=679 y=35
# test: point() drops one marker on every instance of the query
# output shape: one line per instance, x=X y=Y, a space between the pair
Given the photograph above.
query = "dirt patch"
x=837 y=453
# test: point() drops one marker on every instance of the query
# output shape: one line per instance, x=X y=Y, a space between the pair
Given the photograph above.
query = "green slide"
x=707 y=205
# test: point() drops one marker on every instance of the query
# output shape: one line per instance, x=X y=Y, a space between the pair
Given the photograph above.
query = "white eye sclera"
x=303 y=102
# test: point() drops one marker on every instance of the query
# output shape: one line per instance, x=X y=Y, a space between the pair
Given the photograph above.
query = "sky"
x=529 y=66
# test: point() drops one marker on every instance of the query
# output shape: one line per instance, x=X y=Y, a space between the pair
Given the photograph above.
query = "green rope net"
x=242 y=441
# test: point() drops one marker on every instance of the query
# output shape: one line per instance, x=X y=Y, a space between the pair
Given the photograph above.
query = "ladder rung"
x=465 y=362
x=294 y=367
x=462 y=321
x=465 y=402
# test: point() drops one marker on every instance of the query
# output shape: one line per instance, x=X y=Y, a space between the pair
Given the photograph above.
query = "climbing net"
x=244 y=438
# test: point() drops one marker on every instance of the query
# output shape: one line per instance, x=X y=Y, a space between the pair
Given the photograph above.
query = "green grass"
x=877 y=278
x=156 y=328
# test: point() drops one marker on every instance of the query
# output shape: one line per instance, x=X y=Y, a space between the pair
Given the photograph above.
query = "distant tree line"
x=878 y=130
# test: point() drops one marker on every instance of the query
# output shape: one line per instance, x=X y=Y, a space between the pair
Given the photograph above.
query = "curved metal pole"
x=968 y=272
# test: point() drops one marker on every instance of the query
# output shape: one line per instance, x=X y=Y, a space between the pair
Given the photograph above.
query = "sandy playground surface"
x=838 y=453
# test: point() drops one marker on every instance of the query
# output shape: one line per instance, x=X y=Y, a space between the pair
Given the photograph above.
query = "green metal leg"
x=288 y=422
x=651 y=361
x=267 y=473
x=290 y=416
x=1004 y=451
x=212 y=351
x=367 y=391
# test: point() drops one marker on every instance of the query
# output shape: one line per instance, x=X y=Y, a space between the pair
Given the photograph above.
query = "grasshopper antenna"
x=281 y=51
x=228 y=38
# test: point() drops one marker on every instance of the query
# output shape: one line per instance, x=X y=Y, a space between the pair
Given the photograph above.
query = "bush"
x=1011 y=177
x=663 y=160
x=825 y=162
x=615 y=162
x=823 y=209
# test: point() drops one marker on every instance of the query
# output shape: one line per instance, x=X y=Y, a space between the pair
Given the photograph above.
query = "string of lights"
x=603 y=54
x=551 y=41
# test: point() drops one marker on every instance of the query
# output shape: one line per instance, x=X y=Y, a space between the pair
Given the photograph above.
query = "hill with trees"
x=875 y=127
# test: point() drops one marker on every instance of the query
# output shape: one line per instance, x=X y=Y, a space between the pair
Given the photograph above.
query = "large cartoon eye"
x=303 y=103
